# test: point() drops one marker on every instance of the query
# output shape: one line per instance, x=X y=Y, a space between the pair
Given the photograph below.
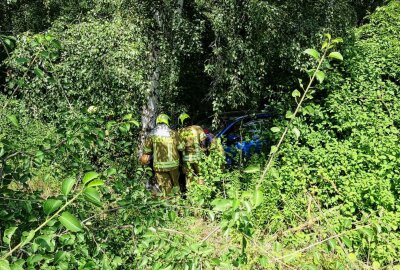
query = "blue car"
x=244 y=135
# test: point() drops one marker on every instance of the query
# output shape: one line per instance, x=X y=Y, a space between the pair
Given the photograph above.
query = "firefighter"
x=191 y=141
x=162 y=144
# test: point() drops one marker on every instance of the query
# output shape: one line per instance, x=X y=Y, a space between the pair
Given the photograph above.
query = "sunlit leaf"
x=296 y=132
x=4 y=265
x=253 y=168
x=89 y=177
x=27 y=236
x=296 y=93
x=320 y=75
x=67 y=185
x=274 y=149
x=313 y=53
x=96 y=183
x=275 y=129
x=70 y=222
x=8 y=233
x=336 y=55
x=221 y=204
x=258 y=198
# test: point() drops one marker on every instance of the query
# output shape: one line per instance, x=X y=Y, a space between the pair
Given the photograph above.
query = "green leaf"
x=22 y=60
x=337 y=40
x=51 y=205
x=8 y=233
x=221 y=204
x=328 y=36
x=39 y=72
x=110 y=171
x=89 y=177
x=289 y=115
x=320 y=75
x=127 y=116
x=18 y=265
x=67 y=185
x=172 y=216
x=274 y=149
x=313 y=53
x=110 y=124
x=263 y=261
x=70 y=222
x=27 y=236
x=258 y=198
x=92 y=195
x=60 y=256
x=4 y=265
x=296 y=93
x=336 y=55
x=13 y=119
x=124 y=127
x=347 y=241
x=254 y=168
x=96 y=183
x=134 y=122
x=275 y=129
x=296 y=132
x=352 y=257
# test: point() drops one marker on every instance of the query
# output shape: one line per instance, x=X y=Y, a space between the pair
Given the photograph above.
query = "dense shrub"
x=348 y=152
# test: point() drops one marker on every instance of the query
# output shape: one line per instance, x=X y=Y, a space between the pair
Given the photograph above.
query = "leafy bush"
x=347 y=153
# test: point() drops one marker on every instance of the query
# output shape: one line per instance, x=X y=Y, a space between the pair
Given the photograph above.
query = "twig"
x=209 y=235
x=319 y=243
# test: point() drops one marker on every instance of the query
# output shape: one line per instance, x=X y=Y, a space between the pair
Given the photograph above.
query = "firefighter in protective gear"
x=191 y=143
x=162 y=145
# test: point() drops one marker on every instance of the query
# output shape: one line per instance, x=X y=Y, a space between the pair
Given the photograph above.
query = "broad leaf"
x=320 y=75
x=89 y=177
x=172 y=216
x=289 y=114
x=296 y=132
x=39 y=72
x=67 y=185
x=275 y=129
x=313 y=53
x=27 y=236
x=8 y=233
x=60 y=256
x=70 y=222
x=110 y=171
x=92 y=195
x=4 y=265
x=96 y=183
x=221 y=204
x=296 y=93
x=336 y=55
x=22 y=60
x=127 y=116
x=51 y=205
x=254 y=168
x=257 y=198
x=13 y=119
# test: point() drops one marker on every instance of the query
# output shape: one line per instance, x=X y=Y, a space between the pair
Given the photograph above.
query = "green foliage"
x=347 y=149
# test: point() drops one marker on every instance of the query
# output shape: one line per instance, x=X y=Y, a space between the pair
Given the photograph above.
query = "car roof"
x=245 y=118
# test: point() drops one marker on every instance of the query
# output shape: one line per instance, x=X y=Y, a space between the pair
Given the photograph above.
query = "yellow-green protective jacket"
x=162 y=144
x=190 y=139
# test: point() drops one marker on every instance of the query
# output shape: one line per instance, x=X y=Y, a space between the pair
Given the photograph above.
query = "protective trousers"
x=167 y=180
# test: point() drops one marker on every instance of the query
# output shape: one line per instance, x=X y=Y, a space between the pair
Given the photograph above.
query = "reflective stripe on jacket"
x=162 y=144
